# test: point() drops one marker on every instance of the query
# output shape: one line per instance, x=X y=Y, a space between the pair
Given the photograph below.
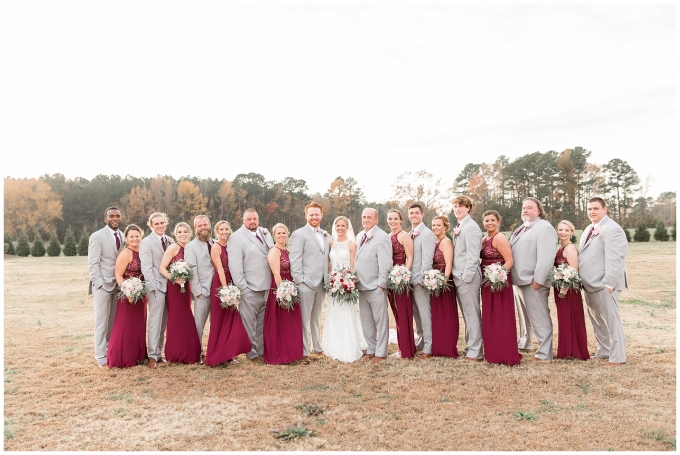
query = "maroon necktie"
x=412 y=234
x=520 y=230
x=258 y=238
x=364 y=240
x=165 y=245
x=115 y=234
x=589 y=234
x=209 y=245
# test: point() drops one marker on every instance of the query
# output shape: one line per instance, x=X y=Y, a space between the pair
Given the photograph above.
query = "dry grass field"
x=57 y=399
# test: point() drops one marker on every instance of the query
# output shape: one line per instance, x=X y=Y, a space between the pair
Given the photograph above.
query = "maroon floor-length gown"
x=282 y=333
x=127 y=344
x=499 y=329
x=444 y=314
x=572 y=340
x=228 y=337
x=182 y=344
x=402 y=306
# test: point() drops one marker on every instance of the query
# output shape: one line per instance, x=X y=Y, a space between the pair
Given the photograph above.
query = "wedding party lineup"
x=263 y=290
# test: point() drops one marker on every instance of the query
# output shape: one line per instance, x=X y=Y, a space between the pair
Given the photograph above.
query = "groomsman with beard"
x=309 y=248
x=102 y=252
x=467 y=276
x=424 y=242
x=247 y=250
x=197 y=253
x=602 y=266
x=151 y=250
x=533 y=250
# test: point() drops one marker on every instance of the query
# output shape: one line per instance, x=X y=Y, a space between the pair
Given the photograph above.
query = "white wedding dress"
x=342 y=338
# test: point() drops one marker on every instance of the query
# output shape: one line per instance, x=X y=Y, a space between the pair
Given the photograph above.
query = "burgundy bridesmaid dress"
x=499 y=330
x=572 y=341
x=228 y=337
x=402 y=307
x=282 y=332
x=127 y=343
x=444 y=314
x=181 y=344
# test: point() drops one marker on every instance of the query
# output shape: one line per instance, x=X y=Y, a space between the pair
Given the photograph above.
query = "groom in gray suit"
x=371 y=264
x=424 y=243
x=602 y=266
x=467 y=276
x=151 y=251
x=247 y=250
x=533 y=251
x=197 y=253
x=102 y=252
x=309 y=249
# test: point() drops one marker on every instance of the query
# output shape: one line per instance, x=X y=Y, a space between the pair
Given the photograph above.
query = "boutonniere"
x=265 y=231
x=415 y=234
x=456 y=231
x=369 y=236
x=325 y=234
x=596 y=232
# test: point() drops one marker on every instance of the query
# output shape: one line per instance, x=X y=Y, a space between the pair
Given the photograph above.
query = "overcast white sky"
x=313 y=91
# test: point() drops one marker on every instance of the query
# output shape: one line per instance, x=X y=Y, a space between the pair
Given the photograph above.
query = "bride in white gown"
x=342 y=338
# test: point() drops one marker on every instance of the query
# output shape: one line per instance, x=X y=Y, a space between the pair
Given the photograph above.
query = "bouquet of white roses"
x=230 y=296
x=565 y=277
x=342 y=286
x=132 y=289
x=496 y=276
x=434 y=282
x=181 y=270
x=286 y=294
x=398 y=279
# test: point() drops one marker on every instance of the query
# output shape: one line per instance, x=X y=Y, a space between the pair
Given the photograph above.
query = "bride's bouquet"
x=398 y=279
x=132 y=289
x=565 y=277
x=286 y=294
x=342 y=286
x=181 y=270
x=495 y=276
x=230 y=296
x=434 y=282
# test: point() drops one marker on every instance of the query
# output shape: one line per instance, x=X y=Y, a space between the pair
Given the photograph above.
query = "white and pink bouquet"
x=181 y=270
x=565 y=277
x=342 y=286
x=230 y=296
x=132 y=289
x=399 y=279
x=286 y=294
x=495 y=276
x=434 y=282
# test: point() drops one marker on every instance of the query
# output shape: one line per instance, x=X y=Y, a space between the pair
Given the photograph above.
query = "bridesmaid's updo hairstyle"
x=182 y=224
x=280 y=225
x=568 y=224
x=444 y=220
x=220 y=223
x=401 y=218
x=496 y=215
x=133 y=227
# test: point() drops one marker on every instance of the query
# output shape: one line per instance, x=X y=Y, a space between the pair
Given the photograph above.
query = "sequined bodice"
x=225 y=262
x=134 y=268
x=489 y=253
x=438 y=261
x=398 y=251
x=285 y=265
x=179 y=256
x=559 y=257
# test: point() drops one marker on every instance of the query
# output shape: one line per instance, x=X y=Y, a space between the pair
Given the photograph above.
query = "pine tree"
x=23 y=248
x=83 y=243
x=9 y=245
x=660 y=233
x=627 y=235
x=38 y=248
x=54 y=248
x=641 y=232
x=70 y=243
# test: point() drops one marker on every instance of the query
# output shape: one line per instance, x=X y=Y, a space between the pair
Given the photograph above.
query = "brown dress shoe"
x=377 y=359
x=152 y=363
x=423 y=356
x=161 y=360
x=367 y=357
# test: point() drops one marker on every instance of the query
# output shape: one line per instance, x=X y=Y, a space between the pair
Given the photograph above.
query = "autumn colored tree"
x=139 y=206
x=54 y=248
x=189 y=202
x=70 y=243
x=423 y=187
x=30 y=205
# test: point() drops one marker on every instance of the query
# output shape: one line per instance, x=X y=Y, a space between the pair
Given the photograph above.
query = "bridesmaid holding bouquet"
x=445 y=323
x=228 y=337
x=127 y=345
x=182 y=344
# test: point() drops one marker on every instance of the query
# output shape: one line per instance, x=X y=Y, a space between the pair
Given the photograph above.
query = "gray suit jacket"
x=373 y=260
x=101 y=259
x=466 y=248
x=308 y=264
x=423 y=254
x=602 y=260
x=150 y=255
x=196 y=253
x=248 y=259
x=533 y=254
